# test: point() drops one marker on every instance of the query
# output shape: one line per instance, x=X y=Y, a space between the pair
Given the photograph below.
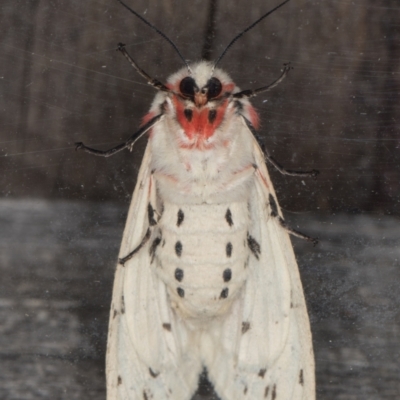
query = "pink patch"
x=254 y=118
x=227 y=88
x=263 y=178
x=147 y=118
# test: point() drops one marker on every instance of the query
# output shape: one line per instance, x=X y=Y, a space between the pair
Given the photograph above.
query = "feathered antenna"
x=246 y=30
x=162 y=34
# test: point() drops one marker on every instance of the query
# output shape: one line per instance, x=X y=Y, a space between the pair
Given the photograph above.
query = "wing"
x=144 y=350
x=267 y=345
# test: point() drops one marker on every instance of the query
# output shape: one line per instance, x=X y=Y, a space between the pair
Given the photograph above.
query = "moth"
x=207 y=281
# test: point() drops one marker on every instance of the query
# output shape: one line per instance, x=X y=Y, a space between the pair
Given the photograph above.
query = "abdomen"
x=202 y=256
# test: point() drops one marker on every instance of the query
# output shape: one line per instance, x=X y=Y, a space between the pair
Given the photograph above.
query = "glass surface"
x=62 y=212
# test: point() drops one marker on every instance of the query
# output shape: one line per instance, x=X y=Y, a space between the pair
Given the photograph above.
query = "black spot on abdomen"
x=228 y=217
x=181 y=292
x=179 y=274
x=178 y=248
x=229 y=249
x=224 y=293
x=181 y=217
x=227 y=275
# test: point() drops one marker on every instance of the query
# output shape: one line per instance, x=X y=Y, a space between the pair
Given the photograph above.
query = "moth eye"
x=214 y=86
x=188 y=86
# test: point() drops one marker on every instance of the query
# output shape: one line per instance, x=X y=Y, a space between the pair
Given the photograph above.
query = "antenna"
x=246 y=30
x=159 y=32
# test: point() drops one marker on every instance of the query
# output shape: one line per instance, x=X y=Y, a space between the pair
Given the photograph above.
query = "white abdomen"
x=202 y=256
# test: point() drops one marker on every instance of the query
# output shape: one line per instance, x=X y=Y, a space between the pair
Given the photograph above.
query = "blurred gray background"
x=62 y=213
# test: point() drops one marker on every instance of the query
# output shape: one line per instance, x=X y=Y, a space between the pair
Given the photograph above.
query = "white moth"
x=207 y=279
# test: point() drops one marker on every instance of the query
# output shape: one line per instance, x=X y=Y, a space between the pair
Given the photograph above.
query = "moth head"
x=202 y=85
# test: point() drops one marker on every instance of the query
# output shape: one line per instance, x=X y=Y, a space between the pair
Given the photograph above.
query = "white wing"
x=144 y=350
x=266 y=346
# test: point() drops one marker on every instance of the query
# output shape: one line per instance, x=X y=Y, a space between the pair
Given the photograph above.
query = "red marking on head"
x=200 y=124
x=254 y=118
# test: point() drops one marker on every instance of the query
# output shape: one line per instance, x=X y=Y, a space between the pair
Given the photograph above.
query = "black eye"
x=214 y=87
x=188 y=86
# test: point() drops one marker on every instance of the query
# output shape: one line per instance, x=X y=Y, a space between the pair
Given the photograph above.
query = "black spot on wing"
x=181 y=292
x=179 y=274
x=253 y=246
x=178 y=248
x=153 y=374
x=229 y=249
x=301 y=378
x=181 y=217
x=122 y=304
x=238 y=105
x=245 y=327
x=115 y=313
x=167 y=326
x=228 y=217
x=273 y=205
x=145 y=396
x=224 y=294
x=266 y=391
x=119 y=380
x=188 y=114
x=227 y=275
x=153 y=248
x=261 y=372
x=212 y=115
x=150 y=214
x=245 y=390
x=163 y=107
x=273 y=396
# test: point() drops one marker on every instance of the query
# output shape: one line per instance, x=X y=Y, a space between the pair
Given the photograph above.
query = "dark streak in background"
x=210 y=31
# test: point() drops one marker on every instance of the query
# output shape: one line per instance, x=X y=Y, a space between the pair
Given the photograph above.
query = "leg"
x=284 y=225
x=134 y=251
x=272 y=161
x=129 y=143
